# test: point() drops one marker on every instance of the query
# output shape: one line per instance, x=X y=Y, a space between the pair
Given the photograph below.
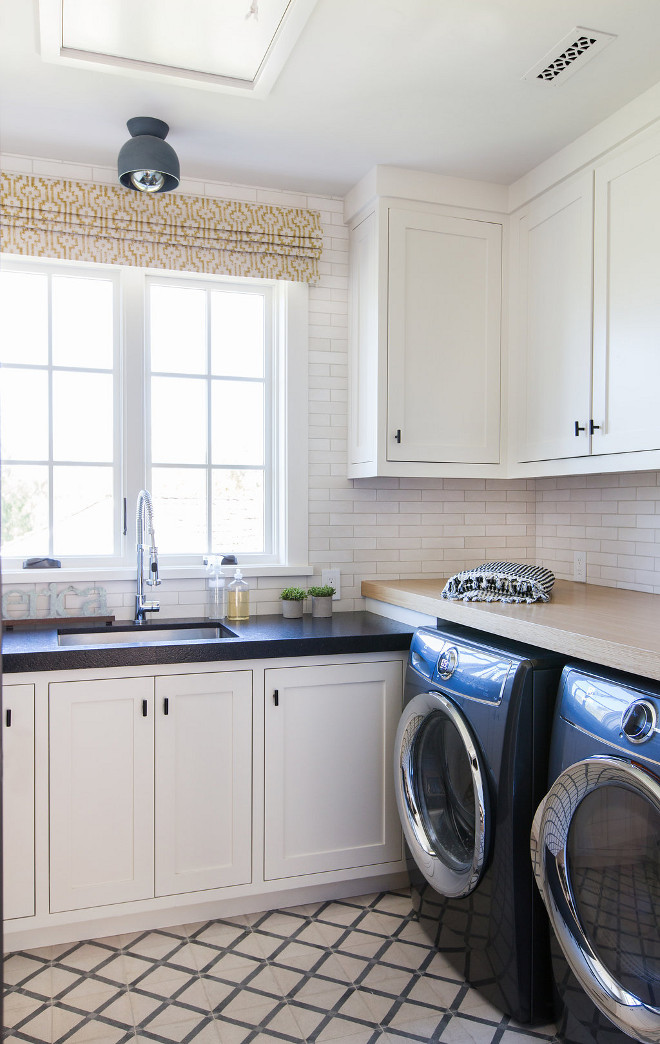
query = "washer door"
x=441 y=793
x=596 y=854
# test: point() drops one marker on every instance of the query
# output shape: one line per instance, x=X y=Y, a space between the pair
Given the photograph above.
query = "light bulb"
x=148 y=180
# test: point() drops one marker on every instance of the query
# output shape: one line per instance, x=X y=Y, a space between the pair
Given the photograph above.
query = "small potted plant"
x=321 y=600
x=292 y=602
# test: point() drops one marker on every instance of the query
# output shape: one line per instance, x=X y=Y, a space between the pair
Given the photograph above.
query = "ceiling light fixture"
x=146 y=162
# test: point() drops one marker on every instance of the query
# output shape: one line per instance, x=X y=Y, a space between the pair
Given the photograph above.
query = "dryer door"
x=441 y=793
x=596 y=854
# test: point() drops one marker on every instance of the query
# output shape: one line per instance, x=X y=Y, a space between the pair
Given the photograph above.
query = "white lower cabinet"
x=329 y=795
x=18 y=800
x=107 y=775
x=203 y=781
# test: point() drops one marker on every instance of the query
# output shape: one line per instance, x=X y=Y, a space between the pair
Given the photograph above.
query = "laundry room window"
x=114 y=378
x=210 y=408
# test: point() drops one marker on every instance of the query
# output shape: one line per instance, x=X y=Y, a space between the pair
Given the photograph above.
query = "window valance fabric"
x=82 y=221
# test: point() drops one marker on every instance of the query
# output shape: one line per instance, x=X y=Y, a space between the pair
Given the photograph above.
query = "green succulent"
x=321 y=592
x=293 y=594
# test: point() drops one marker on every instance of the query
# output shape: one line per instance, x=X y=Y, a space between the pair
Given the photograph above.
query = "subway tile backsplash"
x=394 y=528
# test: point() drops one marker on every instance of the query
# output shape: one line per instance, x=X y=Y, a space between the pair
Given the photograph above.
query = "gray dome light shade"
x=146 y=162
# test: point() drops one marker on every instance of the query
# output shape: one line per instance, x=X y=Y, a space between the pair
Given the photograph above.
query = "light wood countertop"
x=606 y=625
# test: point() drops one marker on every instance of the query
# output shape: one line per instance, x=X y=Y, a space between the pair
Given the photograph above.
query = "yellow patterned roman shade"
x=81 y=221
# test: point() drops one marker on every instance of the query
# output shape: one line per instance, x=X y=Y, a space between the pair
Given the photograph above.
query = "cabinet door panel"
x=203 y=781
x=18 y=800
x=329 y=795
x=445 y=285
x=552 y=389
x=627 y=301
x=101 y=792
x=363 y=388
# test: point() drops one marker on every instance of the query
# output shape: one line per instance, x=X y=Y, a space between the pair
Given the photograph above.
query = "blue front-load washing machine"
x=470 y=767
x=596 y=854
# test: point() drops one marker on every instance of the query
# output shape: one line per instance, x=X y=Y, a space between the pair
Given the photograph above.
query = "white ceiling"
x=433 y=85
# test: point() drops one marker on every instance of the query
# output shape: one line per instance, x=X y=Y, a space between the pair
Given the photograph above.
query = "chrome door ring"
x=549 y=856
x=443 y=878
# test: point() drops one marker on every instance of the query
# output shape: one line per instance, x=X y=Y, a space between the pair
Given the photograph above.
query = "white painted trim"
x=417 y=185
x=293 y=22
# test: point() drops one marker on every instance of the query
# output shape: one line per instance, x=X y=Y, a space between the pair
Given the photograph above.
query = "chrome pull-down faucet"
x=145 y=528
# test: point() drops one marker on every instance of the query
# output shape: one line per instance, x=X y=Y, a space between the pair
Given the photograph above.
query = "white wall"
x=396 y=528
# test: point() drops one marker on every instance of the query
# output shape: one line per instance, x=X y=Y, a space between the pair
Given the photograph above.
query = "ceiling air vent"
x=569 y=55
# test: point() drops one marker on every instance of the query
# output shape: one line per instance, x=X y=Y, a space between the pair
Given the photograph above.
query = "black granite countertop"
x=262 y=637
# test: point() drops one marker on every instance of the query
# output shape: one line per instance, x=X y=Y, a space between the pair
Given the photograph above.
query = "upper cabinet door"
x=443 y=360
x=627 y=301
x=551 y=370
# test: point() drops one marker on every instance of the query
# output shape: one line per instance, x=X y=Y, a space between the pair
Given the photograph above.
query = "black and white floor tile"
x=356 y=970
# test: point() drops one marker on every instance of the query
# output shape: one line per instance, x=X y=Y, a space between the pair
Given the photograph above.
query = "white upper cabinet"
x=585 y=305
x=627 y=301
x=551 y=325
x=443 y=339
x=426 y=291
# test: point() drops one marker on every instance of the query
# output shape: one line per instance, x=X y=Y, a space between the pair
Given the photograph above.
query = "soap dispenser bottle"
x=216 y=602
x=238 y=602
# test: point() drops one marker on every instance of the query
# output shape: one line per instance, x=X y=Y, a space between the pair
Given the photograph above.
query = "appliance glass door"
x=441 y=794
x=596 y=850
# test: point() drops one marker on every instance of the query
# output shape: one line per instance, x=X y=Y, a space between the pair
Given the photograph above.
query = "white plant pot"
x=292 y=609
x=322 y=606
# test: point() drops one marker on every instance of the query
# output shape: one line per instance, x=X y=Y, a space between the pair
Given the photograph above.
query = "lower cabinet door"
x=203 y=781
x=101 y=792
x=18 y=800
x=329 y=794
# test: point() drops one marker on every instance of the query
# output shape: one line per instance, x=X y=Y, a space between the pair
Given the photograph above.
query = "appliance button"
x=639 y=721
x=448 y=662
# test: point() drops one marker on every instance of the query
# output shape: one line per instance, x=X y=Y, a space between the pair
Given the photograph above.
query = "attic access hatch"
x=238 y=46
x=569 y=55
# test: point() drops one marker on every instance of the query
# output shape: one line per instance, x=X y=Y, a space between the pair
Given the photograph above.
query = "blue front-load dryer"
x=470 y=768
x=596 y=854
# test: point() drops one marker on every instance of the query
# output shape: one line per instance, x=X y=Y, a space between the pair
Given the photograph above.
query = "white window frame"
x=288 y=459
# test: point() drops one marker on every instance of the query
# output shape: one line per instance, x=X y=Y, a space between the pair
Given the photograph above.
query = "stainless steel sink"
x=149 y=634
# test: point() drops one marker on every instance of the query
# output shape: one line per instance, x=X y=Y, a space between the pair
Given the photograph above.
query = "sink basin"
x=149 y=634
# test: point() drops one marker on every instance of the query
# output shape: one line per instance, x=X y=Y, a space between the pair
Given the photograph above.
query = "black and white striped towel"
x=501 y=582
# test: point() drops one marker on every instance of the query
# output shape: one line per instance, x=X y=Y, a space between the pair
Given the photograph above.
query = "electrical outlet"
x=580 y=566
x=332 y=578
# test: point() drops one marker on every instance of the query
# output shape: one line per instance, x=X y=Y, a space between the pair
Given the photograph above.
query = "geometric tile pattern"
x=359 y=970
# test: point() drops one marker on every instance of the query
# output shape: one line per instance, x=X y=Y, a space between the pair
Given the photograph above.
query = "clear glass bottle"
x=216 y=595
x=238 y=600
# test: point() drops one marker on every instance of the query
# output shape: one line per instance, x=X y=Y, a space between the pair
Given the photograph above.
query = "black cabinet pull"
x=8 y=717
x=397 y=435
x=144 y=708
x=593 y=427
x=578 y=429
x=166 y=706
x=125 y=529
x=276 y=697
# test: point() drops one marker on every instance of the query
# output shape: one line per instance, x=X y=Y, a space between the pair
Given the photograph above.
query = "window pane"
x=237 y=334
x=178 y=329
x=178 y=421
x=82 y=511
x=25 y=510
x=23 y=317
x=24 y=414
x=238 y=422
x=82 y=416
x=83 y=328
x=179 y=497
x=238 y=511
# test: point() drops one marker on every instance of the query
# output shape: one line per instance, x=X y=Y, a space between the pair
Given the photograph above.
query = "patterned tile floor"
x=358 y=970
